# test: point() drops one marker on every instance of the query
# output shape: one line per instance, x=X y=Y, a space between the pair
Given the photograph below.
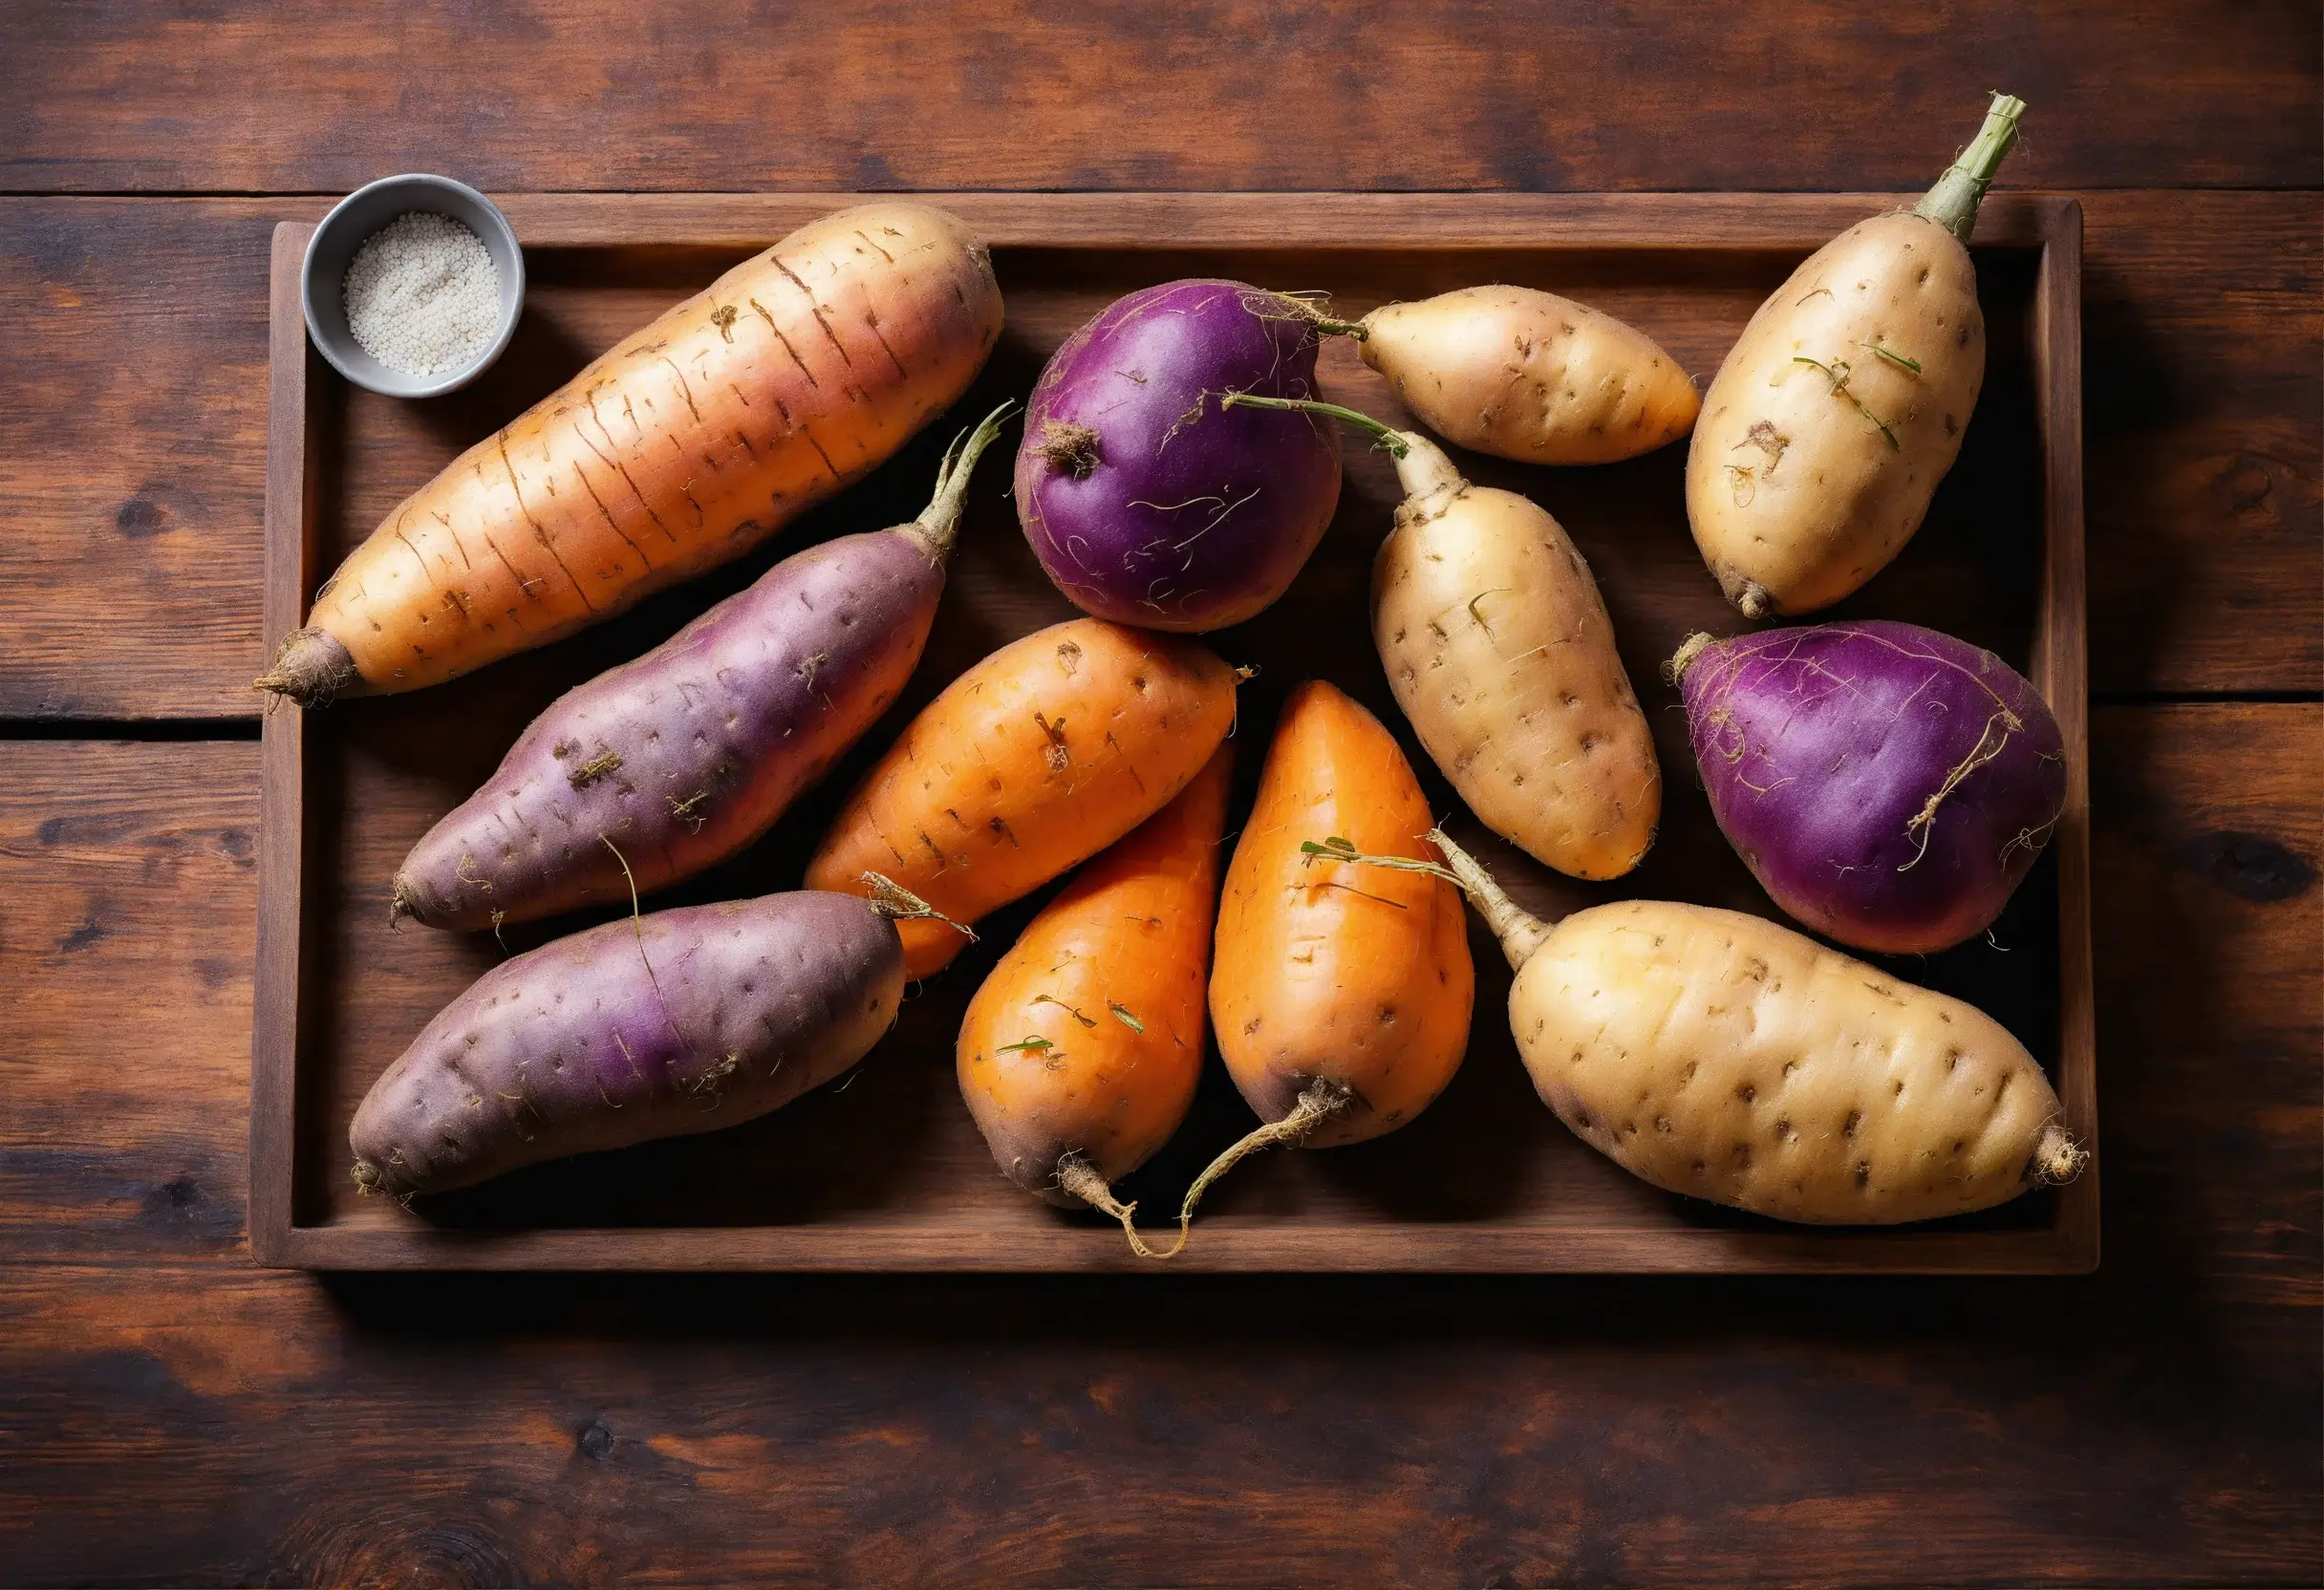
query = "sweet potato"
x=680 y=1021
x=1079 y=1054
x=1033 y=761
x=686 y=444
x=1340 y=994
x=669 y=764
x=1498 y=644
x=1718 y=1055
x=1843 y=403
x=1526 y=375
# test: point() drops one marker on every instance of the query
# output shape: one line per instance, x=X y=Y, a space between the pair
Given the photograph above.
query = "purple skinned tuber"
x=1888 y=786
x=680 y=1021
x=661 y=767
x=1146 y=500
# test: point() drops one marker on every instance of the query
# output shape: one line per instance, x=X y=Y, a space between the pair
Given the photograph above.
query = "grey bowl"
x=343 y=231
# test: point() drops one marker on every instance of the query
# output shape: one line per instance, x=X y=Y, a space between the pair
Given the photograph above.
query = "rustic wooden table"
x=169 y=1414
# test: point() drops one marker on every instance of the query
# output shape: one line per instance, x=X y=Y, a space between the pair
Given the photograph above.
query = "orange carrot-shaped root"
x=1340 y=992
x=1080 y=1054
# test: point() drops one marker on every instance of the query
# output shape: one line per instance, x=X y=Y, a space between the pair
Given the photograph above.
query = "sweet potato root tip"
x=2057 y=1158
x=311 y=668
x=1079 y=1177
x=1321 y=1101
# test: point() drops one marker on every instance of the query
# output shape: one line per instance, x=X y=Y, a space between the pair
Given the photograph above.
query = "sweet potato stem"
x=939 y=522
x=2056 y=1158
x=898 y=904
x=1321 y=321
x=1520 y=931
x=1952 y=203
x=1388 y=438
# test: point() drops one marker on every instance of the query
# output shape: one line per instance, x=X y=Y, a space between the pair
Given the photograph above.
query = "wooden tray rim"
x=2049 y=223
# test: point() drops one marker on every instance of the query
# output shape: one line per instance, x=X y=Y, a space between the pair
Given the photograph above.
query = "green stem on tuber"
x=939 y=522
x=1321 y=321
x=1952 y=203
x=1386 y=436
x=1429 y=477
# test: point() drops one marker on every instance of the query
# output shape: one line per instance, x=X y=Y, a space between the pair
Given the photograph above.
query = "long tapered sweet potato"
x=684 y=445
x=674 y=761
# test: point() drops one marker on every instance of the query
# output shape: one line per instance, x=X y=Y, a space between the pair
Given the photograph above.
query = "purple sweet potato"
x=685 y=756
x=680 y=1021
x=1146 y=500
x=1887 y=785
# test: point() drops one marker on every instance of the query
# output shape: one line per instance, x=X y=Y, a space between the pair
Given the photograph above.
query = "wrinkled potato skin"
x=1718 y=1055
x=1795 y=497
x=1529 y=376
x=1498 y=644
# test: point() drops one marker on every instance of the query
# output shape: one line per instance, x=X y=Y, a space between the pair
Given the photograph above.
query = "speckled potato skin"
x=1796 y=498
x=1721 y=1056
x=1526 y=375
x=688 y=754
x=1343 y=971
x=1498 y=644
x=578 y=1045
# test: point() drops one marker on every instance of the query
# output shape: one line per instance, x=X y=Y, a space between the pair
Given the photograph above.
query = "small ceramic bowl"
x=351 y=221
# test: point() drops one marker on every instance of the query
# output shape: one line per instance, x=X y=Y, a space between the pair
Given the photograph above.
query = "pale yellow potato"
x=1500 y=650
x=1529 y=376
x=1721 y=1056
x=1805 y=479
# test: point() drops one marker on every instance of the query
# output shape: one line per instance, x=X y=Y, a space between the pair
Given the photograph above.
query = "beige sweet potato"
x=1498 y=644
x=1526 y=375
x=1843 y=404
x=1721 y=1056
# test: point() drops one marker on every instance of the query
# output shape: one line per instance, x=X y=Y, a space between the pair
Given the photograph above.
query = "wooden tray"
x=885 y=1171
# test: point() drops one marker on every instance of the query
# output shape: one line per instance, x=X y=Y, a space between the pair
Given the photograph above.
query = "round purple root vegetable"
x=661 y=767
x=1888 y=786
x=1148 y=503
x=681 y=1022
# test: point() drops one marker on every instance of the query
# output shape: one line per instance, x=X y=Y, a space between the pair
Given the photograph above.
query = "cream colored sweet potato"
x=1526 y=375
x=1498 y=644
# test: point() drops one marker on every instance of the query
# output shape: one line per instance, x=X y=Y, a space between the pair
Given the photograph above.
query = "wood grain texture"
x=882 y=1175
x=1231 y=93
x=2205 y=419
x=132 y=474
x=177 y=1416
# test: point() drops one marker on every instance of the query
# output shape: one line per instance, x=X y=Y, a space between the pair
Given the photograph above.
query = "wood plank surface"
x=132 y=472
x=194 y=1420
x=1231 y=93
x=173 y=1416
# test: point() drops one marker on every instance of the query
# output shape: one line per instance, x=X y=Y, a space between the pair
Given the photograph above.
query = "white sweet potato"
x=1724 y=1057
x=1498 y=644
x=1843 y=403
x=1526 y=375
